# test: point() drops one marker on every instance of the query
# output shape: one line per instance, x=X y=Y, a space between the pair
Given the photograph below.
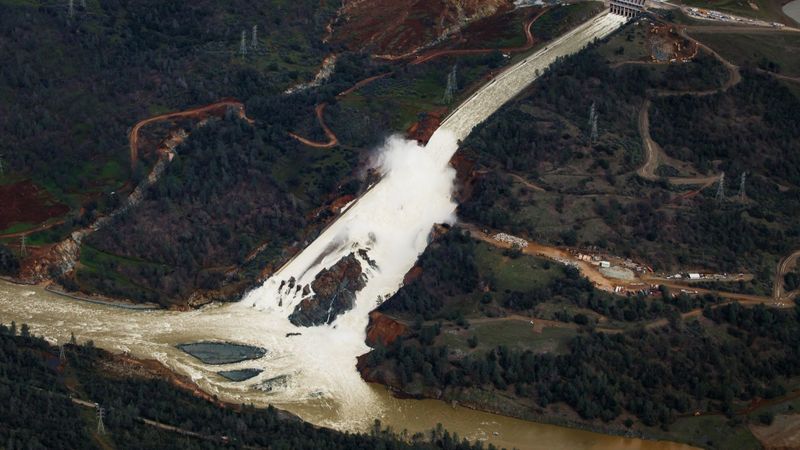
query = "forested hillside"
x=591 y=191
x=47 y=403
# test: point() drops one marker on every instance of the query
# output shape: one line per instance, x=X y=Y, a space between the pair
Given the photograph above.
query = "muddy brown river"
x=311 y=371
x=154 y=334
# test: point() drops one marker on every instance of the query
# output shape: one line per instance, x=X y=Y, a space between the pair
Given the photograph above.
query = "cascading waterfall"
x=311 y=370
x=385 y=231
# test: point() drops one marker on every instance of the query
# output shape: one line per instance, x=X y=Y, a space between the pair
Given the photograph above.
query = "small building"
x=627 y=8
x=694 y=276
x=605 y=264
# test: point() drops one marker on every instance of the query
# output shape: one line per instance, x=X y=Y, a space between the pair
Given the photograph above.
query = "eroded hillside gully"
x=310 y=370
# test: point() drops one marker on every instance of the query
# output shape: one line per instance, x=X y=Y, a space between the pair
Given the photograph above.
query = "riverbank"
x=493 y=402
x=105 y=301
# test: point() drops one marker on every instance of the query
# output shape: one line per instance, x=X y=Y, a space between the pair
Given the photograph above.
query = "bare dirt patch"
x=25 y=202
x=783 y=434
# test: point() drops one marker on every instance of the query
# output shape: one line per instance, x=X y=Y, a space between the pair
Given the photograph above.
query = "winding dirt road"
x=332 y=139
x=133 y=136
x=529 y=41
x=654 y=154
x=783 y=268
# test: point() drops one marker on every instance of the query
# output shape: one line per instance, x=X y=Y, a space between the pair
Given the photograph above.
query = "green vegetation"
x=592 y=194
x=9 y=264
x=657 y=374
x=775 y=52
x=38 y=410
x=769 y=10
x=77 y=84
x=559 y=20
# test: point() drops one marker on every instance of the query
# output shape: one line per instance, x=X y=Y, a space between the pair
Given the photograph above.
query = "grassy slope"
x=758 y=49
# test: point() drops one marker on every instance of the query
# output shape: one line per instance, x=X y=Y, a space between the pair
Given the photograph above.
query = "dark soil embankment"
x=25 y=202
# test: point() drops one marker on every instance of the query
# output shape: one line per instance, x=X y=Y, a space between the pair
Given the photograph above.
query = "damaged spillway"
x=310 y=317
x=384 y=232
x=362 y=257
x=321 y=299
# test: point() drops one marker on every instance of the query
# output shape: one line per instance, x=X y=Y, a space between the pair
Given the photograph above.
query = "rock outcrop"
x=334 y=290
x=383 y=329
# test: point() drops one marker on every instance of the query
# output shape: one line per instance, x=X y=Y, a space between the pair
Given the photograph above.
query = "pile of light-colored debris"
x=509 y=239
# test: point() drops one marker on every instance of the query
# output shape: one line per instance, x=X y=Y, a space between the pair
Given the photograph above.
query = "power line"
x=243 y=45
x=101 y=412
x=741 y=186
x=452 y=83
x=721 y=188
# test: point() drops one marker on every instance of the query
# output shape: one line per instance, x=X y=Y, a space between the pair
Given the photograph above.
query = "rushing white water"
x=392 y=222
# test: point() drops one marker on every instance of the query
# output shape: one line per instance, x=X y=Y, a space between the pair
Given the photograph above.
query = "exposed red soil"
x=398 y=28
x=362 y=83
x=529 y=41
x=422 y=130
x=412 y=275
x=666 y=39
x=466 y=175
x=217 y=108
x=337 y=205
x=383 y=329
x=24 y=201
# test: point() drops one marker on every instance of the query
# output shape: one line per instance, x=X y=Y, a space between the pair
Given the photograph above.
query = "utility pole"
x=101 y=412
x=2 y=166
x=243 y=45
x=721 y=188
x=254 y=39
x=22 y=249
x=741 y=186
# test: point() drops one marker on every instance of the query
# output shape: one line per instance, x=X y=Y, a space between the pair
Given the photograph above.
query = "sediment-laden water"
x=311 y=370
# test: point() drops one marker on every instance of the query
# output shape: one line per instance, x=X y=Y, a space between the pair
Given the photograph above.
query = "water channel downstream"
x=316 y=365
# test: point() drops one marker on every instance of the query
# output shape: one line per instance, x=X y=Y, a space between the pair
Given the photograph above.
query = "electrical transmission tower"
x=61 y=355
x=83 y=4
x=254 y=38
x=451 y=86
x=741 y=186
x=721 y=188
x=243 y=45
x=71 y=9
x=2 y=166
x=22 y=249
x=593 y=123
x=101 y=412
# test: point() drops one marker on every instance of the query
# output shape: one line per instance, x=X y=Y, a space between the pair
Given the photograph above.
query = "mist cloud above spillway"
x=392 y=222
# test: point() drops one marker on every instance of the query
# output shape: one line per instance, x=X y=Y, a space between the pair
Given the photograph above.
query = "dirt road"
x=654 y=154
x=589 y=271
x=133 y=136
x=783 y=268
x=529 y=41
x=333 y=141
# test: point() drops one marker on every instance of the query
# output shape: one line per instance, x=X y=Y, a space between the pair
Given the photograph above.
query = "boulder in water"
x=335 y=291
